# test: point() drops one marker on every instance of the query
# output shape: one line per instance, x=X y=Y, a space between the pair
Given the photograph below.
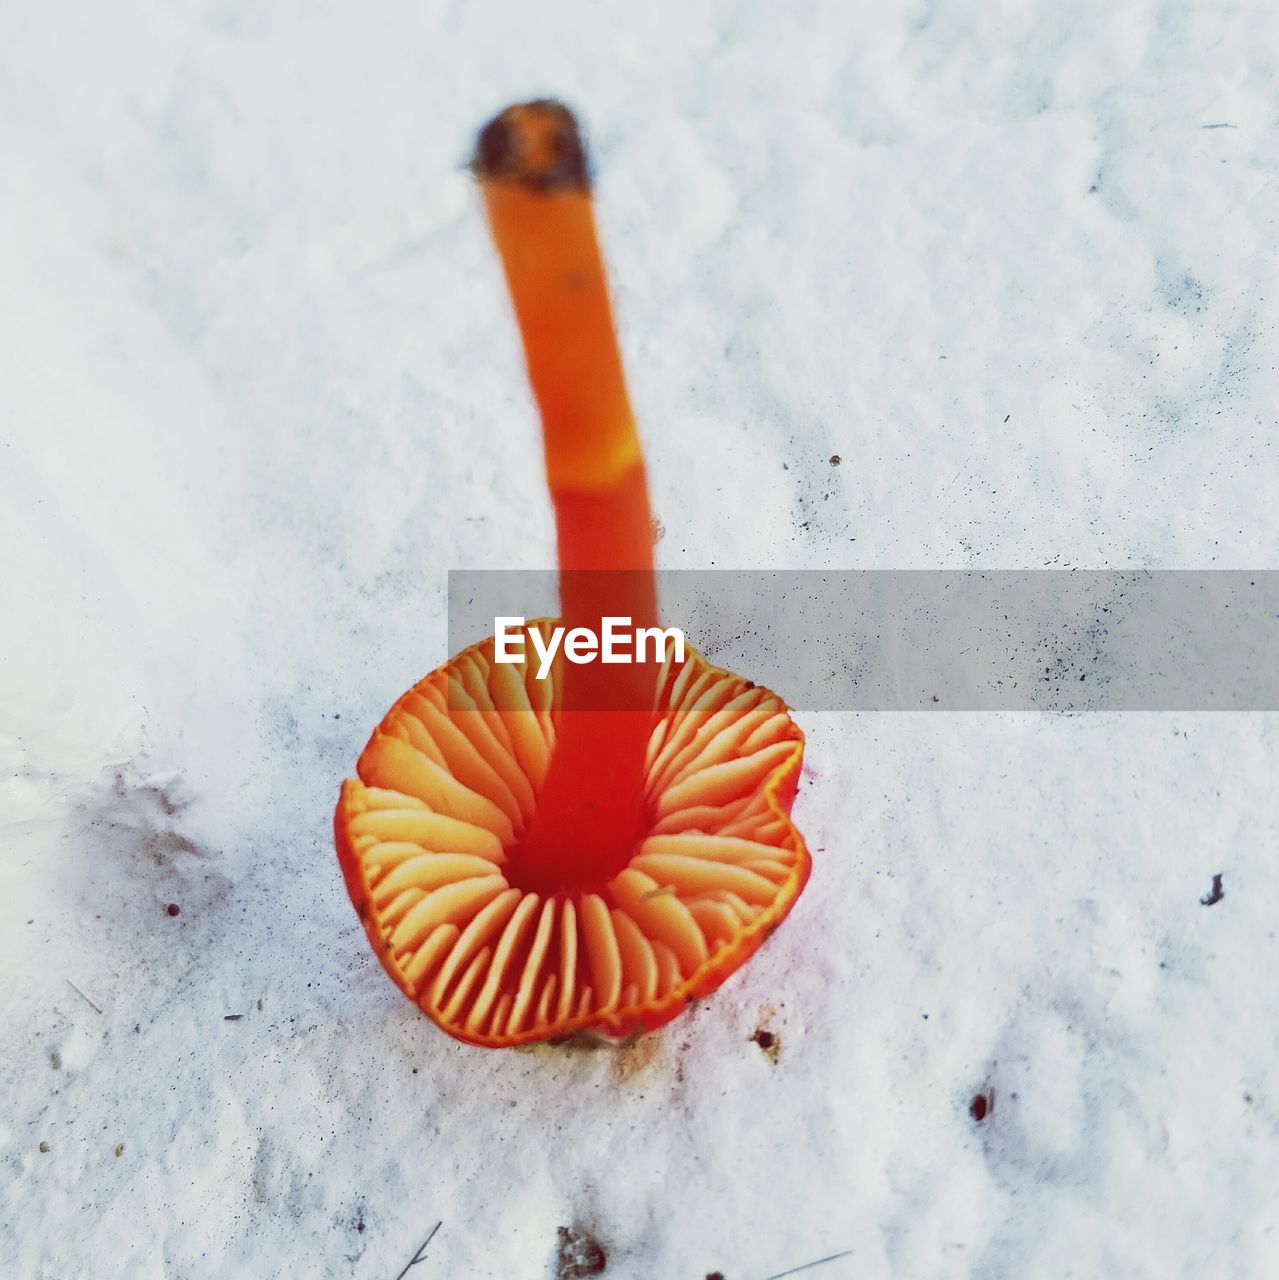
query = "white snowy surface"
x=260 y=390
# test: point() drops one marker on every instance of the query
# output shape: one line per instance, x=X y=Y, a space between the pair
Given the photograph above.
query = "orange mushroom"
x=593 y=850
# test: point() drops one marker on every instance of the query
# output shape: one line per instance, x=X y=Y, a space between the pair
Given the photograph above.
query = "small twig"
x=794 y=1271
x=1215 y=894
x=417 y=1257
x=82 y=996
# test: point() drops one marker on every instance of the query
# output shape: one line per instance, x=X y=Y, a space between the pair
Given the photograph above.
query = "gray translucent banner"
x=920 y=640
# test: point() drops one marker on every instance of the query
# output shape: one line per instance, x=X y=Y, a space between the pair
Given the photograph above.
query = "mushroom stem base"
x=592 y=812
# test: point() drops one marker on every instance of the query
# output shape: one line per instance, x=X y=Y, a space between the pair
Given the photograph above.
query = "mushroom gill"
x=429 y=837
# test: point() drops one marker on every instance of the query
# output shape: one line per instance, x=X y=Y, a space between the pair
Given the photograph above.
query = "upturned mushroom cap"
x=449 y=782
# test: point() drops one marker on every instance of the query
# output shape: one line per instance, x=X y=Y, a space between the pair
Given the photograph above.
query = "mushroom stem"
x=533 y=174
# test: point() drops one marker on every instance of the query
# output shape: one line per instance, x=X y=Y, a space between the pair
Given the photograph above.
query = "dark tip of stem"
x=536 y=144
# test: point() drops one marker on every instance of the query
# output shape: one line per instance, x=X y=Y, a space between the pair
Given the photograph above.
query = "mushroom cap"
x=447 y=785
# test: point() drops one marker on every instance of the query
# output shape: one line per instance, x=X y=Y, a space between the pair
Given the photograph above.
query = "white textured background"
x=259 y=390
